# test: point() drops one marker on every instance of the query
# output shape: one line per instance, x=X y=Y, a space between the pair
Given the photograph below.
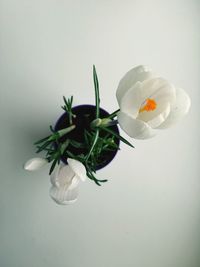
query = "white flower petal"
x=156 y=121
x=62 y=175
x=131 y=101
x=139 y=73
x=62 y=196
x=158 y=89
x=74 y=182
x=78 y=168
x=179 y=109
x=35 y=164
x=133 y=127
x=55 y=173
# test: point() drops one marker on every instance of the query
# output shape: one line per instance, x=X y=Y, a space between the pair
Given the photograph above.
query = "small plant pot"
x=84 y=115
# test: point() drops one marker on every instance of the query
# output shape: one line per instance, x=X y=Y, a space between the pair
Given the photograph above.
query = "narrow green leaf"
x=40 y=148
x=71 y=100
x=96 y=87
x=64 y=146
x=93 y=144
x=54 y=155
x=65 y=130
x=117 y=135
x=114 y=114
x=65 y=100
x=41 y=140
x=93 y=178
x=77 y=144
x=53 y=166
x=71 y=155
x=53 y=137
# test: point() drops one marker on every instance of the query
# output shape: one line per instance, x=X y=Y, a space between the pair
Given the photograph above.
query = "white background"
x=148 y=214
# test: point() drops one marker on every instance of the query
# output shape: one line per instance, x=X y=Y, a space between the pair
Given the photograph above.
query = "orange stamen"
x=150 y=105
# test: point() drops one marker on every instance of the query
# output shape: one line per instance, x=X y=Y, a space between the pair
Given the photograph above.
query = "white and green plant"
x=147 y=103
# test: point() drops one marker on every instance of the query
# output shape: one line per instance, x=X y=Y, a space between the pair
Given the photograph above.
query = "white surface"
x=147 y=215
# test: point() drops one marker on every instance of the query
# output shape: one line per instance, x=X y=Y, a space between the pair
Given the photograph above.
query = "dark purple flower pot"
x=85 y=114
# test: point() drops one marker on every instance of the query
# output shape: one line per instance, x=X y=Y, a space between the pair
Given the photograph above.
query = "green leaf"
x=71 y=155
x=54 y=155
x=65 y=100
x=40 y=148
x=117 y=135
x=77 y=144
x=68 y=108
x=89 y=174
x=93 y=144
x=71 y=100
x=86 y=137
x=53 y=166
x=64 y=131
x=114 y=114
x=103 y=181
x=64 y=146
x=41 y=140
x=96 y=87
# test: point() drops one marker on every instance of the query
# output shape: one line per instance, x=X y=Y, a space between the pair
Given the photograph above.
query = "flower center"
x=149 y=105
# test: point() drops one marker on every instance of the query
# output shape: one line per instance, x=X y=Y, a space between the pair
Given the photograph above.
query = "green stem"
x=70 y=118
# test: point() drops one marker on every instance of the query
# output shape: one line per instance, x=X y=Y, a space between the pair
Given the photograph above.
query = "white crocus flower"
x=65 y=181
x=35 y=164
x=148 y=102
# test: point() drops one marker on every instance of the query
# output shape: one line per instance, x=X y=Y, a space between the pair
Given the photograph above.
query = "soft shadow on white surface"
x=147 y=215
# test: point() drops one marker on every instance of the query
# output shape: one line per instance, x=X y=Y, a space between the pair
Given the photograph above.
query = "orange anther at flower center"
x=150 y=105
